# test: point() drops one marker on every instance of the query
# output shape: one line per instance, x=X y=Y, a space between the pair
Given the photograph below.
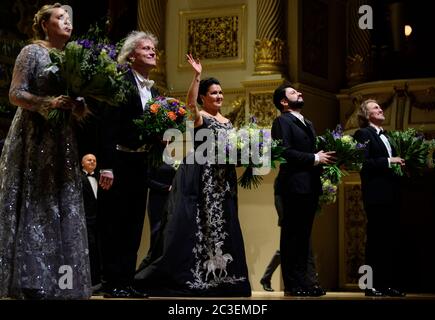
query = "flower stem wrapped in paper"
x=88 y=70
x=411 y=146
x=253 y=148
x=349 y=154
x=160 y=114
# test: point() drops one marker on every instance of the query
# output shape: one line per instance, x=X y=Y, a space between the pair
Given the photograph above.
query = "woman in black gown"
x=200 y=250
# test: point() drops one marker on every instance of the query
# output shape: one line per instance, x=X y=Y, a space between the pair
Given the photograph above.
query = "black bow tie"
x=90 y=175
x=382 y=132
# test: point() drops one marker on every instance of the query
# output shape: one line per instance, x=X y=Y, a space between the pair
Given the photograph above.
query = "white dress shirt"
x=94 y=183
x=144 y=87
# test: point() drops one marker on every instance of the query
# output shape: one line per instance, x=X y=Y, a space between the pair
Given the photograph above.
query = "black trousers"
x=94 y=249
x=382 y=246
x=123 y=212
x=276 y=261
x=296 y=225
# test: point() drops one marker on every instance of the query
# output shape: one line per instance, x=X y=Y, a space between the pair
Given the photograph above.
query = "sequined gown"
x=200 y=249
x=43 y=242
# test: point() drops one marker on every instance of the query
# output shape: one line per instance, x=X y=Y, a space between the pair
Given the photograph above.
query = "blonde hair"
x=41 y=16
x=131 y=42
x=363 y=113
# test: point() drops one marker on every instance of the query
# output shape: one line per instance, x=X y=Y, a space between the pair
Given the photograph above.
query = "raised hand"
x=196 y=64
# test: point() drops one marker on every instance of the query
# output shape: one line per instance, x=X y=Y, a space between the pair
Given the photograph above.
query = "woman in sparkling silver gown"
x=43 y=243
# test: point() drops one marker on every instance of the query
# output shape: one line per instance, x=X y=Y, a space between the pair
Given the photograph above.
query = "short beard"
x=295 y=104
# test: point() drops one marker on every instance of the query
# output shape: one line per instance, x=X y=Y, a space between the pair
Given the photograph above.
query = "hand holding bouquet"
x=349 y=154
x=160 y=114
x=411 y=146
x=88 y=70
x=253 y=148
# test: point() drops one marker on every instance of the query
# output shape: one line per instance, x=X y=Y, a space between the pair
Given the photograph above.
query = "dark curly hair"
x=203 y=87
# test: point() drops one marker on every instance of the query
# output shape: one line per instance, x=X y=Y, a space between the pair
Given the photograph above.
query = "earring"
x=46 y=34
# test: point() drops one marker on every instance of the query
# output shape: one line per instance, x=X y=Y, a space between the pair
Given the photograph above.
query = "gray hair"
x=363 y=113
x=131 y=42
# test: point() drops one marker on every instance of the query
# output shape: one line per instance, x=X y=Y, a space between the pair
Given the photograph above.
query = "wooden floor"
x=279 y=295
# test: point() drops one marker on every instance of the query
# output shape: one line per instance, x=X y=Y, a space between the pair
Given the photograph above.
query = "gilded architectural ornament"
x=237 y=115
x=150 y=18
x=356 y=69
x=215 y=36
x=358 y=62
x=269 y=46
x=158 y=74
x=269 y=56
x=261 y=106
x=354 y=232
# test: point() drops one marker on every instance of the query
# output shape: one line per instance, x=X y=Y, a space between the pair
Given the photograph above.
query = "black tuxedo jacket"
x=298 y=175
x=118 y=126
x=379 y=184
x=89 y=200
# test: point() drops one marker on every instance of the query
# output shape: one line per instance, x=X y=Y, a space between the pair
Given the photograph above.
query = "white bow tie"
x=146 y=83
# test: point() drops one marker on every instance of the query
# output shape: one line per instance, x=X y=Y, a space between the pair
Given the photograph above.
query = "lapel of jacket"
x=378 y=140
x=136 y=102
x=307 y=128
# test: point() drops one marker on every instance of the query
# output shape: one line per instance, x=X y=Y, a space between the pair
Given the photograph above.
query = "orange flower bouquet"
x=160 y=114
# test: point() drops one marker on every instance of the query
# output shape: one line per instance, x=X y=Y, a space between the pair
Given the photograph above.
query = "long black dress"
x=200 y=250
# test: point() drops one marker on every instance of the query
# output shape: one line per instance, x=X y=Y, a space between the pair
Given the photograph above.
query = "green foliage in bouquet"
x=160 y=114
x=350 y=156
x=89 y=70
x=411 y=146
x=249 y=136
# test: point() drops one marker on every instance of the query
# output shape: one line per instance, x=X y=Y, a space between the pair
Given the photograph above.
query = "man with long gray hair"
x=124 y=172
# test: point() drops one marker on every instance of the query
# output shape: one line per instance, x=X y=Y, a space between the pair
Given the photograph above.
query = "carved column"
x=358 y=64
x=270 y=45
x=151 y=17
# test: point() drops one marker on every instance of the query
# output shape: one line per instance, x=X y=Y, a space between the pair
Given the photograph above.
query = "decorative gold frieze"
x=269 y=56
x=352 y=230
x=215 y=36
x=150 y=18
x=261 y=106
x=237 y=114
x=159 y=73
x=357 y=69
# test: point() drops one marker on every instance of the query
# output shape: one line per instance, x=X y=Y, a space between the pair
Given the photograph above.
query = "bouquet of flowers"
x=349 y=154
x=253 y=148
x=89 y=70
x=411 y=146
x=160 y=114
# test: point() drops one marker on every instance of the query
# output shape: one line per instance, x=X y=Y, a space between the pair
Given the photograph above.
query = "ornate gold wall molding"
x=216 y=36
x=261 y=107
x=407 y=103
x=270 y=47
x=358 y=61
x=237 y=115
x=151 y=15
x=352 y=231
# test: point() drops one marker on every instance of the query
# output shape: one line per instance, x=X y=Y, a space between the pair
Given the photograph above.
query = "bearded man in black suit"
x=381 y=198
x=298 y=183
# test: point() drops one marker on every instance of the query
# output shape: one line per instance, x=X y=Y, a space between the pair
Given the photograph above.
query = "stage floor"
x=279 y=295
